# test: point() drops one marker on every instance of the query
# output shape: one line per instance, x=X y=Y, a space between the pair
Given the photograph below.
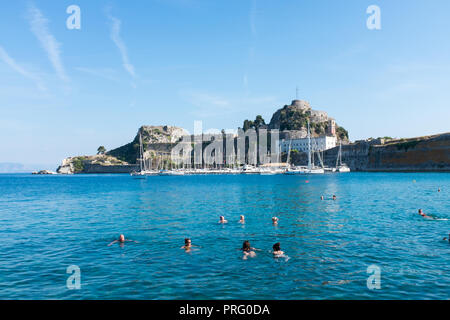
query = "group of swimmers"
x=333 y=197
x=246 y=248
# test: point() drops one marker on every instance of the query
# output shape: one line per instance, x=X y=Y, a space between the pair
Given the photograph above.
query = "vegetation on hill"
x=290 y=119
x=258 y=122
x=341 y=133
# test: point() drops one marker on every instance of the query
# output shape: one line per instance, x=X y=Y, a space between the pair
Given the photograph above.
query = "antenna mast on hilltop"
x=296 y=93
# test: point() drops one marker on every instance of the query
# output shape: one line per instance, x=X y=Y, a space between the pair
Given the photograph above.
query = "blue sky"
x=65 y=92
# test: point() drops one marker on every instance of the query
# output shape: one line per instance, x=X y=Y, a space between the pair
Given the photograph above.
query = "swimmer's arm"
x=112 y=243
x=131 y=240
x=256 y=249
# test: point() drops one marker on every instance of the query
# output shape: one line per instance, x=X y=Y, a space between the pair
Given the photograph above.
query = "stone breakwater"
x=431 y=153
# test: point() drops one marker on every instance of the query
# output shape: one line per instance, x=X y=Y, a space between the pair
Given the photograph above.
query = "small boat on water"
x=249 y=169
x=311 y=168
x=141 y=174
x=171 y=173
x=295 y=171
x=341 y=167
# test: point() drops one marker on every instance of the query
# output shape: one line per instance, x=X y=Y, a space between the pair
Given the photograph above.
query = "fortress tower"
x=301 y=105
x=331 y=129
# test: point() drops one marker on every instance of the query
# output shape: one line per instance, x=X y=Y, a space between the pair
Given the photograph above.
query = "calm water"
x=50 y=222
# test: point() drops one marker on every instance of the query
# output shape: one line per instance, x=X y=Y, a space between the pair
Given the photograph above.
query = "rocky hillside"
x=294 y=117
x=157 y=141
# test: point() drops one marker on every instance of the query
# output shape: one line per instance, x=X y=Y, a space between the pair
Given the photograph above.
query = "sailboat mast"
x=309 y=147
x=289 y=153
x=141 y=156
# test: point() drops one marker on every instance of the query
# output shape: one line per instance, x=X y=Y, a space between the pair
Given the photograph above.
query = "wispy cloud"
x=5 y=57
x=39 y=27
x=116 y=38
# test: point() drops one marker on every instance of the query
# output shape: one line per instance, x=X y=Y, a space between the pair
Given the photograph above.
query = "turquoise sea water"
x=48 y=223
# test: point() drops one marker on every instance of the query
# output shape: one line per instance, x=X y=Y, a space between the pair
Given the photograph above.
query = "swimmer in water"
x=439 y=189
x=277 y=249
x=447 y=239
x=424 y=215
x=275 y=221
x=121 y=240
x=222 y=220
x=242 y=220
x=187 y=244
x=321 y=198
x=334 y=197
x=248 y=250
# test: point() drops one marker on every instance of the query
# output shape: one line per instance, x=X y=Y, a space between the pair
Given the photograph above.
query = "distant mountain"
x=13 y=167
x=9 y=167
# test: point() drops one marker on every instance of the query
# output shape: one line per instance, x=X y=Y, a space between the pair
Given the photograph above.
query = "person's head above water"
x=121 y=238
x=187 y=242
x=246 y=246
x=242 y=218
x=276 y=247
x=421 y=212
x=222 y=218
x=274 y=219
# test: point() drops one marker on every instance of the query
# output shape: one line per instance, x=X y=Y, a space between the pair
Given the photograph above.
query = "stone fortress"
x=296 y=137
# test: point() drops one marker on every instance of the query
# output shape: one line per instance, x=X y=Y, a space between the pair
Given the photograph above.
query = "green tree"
x=259 y=121
x=247 y=125
x=101 y=150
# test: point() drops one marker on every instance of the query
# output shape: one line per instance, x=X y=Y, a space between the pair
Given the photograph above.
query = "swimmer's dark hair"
x=276 y=247
x=186 y=240
x=246 y=246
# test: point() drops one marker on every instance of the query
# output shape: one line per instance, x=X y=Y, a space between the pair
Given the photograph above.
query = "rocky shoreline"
x=422 y=154
x=429 y=153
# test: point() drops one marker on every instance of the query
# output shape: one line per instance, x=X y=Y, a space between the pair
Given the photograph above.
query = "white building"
x=317 y=144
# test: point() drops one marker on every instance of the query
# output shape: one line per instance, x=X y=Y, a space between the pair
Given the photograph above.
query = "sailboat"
x=341 y=167
x=291 y=170
x=311 y=168
x=141 y=174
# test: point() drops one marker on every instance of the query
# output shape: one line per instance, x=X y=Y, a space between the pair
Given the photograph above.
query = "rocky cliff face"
x=157 y=140
x=292 y=121
x=88 y=164
x=431 y=153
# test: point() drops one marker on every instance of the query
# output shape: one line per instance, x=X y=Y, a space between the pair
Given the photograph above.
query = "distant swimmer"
x=334 y=197
x=277 y=249
x=447 y=239
x=275 y=221
x=248 y=250
x=242 y=220
x=424 y=215
x=121 y=240
x=321 y=198
x=222 y=220
x=187 y=244
x=439 y=189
